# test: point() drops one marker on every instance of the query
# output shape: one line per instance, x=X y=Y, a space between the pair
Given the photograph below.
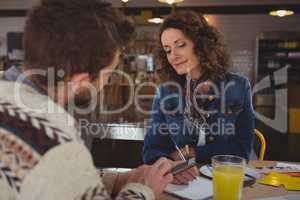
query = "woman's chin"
x=181 y=72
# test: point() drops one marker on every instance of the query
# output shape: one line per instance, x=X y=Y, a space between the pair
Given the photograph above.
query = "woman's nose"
x=174 y=55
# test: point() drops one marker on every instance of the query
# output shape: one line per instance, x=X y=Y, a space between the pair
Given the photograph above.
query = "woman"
x=200 y=103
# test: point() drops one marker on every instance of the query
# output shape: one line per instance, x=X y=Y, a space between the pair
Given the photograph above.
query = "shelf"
x=280 y=58
x=261 y=50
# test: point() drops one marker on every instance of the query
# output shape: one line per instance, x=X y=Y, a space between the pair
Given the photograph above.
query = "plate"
x=251 y=174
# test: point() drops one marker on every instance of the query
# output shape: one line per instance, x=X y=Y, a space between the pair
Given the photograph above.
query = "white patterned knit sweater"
x=42 y=156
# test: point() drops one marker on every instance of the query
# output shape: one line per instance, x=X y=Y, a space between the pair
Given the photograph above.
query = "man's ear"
x=77 y=80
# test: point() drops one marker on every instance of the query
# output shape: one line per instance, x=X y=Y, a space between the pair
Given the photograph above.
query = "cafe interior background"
x=260 y=45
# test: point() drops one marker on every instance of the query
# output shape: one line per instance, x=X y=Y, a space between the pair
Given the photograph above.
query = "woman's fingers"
x=187 y=153
x=181 y=179
x=194 y=171
x=176 y=182
x=187 y=176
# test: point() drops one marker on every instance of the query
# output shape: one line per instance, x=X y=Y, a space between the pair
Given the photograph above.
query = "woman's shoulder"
x=238 y=78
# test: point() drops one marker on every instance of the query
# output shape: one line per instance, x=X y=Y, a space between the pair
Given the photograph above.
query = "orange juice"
x=228 y=182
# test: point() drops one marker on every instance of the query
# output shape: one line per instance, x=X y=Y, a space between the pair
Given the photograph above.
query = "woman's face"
x=180 y=51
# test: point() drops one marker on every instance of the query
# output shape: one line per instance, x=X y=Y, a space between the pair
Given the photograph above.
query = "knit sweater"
x=42 y=155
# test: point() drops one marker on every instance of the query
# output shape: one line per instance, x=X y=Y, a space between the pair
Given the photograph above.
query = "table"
x=254 y=191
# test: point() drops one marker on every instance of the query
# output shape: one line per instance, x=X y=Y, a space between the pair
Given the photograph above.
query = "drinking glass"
x=228 y=177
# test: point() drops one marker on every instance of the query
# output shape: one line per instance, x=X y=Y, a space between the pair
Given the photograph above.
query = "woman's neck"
x=196 y=73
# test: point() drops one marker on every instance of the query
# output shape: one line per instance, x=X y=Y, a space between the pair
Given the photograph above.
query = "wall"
x=12 y=24
x=17 y=4
x=240 y=33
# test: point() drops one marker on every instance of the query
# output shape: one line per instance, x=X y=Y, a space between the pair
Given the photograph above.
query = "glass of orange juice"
x=228 y=177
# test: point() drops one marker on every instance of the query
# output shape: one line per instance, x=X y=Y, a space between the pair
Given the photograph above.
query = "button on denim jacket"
x=229 y=115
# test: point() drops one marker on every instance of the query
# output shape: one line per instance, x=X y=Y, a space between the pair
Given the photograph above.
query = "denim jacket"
x=229 y=116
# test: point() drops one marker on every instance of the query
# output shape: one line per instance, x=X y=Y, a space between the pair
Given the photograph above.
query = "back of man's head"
x=76 y=36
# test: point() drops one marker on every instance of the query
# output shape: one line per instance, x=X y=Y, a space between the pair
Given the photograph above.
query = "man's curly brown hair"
x=208 y=46
x=75 y=36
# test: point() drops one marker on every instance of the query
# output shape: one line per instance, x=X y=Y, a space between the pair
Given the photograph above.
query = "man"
x=70 y=45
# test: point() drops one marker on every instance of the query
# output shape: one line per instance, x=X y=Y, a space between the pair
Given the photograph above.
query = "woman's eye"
x=181 y=44
x=167 y=51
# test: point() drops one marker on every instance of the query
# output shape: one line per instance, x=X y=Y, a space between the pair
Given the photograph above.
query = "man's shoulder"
x=32 y=107
x=28 y=131
x=21 y=94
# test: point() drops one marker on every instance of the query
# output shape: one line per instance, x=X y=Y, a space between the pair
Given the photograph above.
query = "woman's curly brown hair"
x=208 y=44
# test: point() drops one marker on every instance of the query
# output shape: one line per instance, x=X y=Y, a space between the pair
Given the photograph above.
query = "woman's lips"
x=179 y=63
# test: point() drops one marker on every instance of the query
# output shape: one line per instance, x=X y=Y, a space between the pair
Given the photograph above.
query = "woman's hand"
x=187 y=152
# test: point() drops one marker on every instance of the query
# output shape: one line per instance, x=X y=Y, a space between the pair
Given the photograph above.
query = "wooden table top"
x=254 y=191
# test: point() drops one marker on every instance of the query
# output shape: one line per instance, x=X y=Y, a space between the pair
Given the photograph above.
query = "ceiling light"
x=170 y=1
x=281 y=13
x=125 y=1
x=156 y=20
x=206 y=18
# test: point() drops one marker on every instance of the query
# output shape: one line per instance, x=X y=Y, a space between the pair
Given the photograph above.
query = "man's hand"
x=155 y=176
x=186 y=176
